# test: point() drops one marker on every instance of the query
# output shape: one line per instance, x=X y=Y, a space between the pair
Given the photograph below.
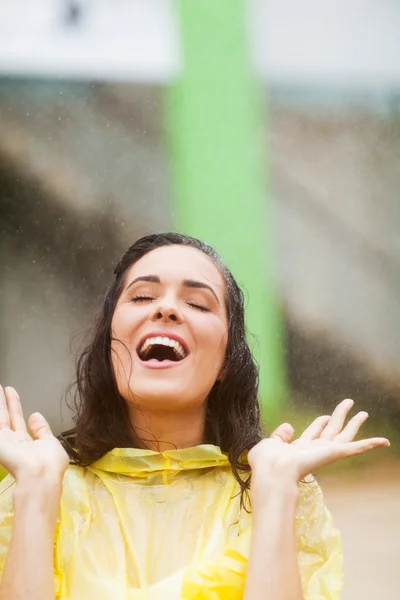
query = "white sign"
x=348 y=43
x=306 y=42
x=105 y=39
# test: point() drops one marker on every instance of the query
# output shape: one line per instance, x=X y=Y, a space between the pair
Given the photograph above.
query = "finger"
x=39 y=426
x=17 y=421
x=330 y=453
x=350 y=431
x=284 y=432
x=354 y=448
x=314 y=430
x=4 y=414
x=337 y=420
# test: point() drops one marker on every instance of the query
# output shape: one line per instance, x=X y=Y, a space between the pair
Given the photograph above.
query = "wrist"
x=274 y=493
x=38 y=490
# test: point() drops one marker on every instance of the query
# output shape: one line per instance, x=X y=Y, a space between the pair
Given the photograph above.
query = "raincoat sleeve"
x=319 y=546
x=6 y=526
x=319 y=555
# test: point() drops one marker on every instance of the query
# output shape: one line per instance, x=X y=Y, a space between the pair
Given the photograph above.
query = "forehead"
x=177 y=263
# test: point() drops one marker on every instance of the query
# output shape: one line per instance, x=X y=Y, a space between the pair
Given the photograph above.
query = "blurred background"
x=271 y=129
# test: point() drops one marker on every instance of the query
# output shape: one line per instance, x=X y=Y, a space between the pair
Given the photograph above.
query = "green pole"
x=215 y=139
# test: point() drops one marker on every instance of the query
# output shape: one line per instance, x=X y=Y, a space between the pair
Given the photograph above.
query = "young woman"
x=147 y=497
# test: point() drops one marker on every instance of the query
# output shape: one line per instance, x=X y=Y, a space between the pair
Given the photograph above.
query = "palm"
x=325 y=441
x=20 y=454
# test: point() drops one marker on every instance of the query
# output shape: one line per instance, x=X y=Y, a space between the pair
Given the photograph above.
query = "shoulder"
x=311 y=502
x=6 y=496
x=310 y=495
x=315 y=528
x=74 y=475
x=319 y=545
x=6 y=483
x=309 y=491
x=74 y=482
x=6 y=516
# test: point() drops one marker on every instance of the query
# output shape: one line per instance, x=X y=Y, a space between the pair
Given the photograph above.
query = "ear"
x=221 y=375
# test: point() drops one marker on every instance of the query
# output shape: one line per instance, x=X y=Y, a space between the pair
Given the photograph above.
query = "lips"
x=161 y=349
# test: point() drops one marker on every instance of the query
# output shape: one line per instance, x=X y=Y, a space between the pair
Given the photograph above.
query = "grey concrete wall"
x=92 y=151
x=36 y=323
x=336 y=182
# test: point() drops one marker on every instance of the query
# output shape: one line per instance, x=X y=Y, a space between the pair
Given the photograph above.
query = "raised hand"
x=20 y=454
x=325 y=441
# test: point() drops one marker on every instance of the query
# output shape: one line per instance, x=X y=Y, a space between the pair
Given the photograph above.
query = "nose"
x=166 y=312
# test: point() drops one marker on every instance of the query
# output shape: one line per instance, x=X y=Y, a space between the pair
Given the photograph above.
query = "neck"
x=161 y=430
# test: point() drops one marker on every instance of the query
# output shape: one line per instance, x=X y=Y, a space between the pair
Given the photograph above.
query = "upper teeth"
x=164 y=341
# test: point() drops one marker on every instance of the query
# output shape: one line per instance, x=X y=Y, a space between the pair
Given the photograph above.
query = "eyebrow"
x=189 y=283
x=151 y=278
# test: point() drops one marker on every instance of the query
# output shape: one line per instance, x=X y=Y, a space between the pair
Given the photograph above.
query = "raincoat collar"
x=132 y=461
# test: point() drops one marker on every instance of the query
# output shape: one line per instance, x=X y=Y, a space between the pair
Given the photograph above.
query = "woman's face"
x=170 y=329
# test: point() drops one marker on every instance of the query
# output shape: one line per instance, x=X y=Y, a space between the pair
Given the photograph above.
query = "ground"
x=366 y=508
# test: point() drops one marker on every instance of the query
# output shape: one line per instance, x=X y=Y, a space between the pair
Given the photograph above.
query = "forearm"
x=28 y=571
x=273 y=571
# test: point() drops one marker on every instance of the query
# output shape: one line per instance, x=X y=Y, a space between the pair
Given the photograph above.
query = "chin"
x=160 y=395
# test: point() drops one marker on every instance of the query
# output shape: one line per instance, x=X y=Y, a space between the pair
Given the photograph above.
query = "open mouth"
x=161 y=349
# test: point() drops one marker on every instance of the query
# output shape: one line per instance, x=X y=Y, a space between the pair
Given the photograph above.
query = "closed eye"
x=142 y=299
x=199 y=307
x=150 y=299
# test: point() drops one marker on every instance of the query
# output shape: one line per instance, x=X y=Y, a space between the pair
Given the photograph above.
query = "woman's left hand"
x=325 y=441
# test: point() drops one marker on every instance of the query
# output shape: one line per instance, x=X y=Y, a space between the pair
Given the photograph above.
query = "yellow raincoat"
x=143 y=525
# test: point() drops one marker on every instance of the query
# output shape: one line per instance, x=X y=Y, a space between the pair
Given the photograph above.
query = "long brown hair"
x=101 y=414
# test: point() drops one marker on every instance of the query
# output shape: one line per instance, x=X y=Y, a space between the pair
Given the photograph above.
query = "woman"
x=167 y=429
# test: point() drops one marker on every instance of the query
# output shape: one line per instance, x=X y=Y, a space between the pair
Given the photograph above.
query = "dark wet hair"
x=101 y=414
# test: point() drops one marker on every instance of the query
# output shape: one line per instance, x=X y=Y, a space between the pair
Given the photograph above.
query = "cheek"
x=214 y=342
x=117 y=326
x=121 y=360
x=121 y=357
x=124 y=323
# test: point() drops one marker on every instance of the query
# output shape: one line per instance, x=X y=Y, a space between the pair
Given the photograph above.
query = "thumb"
x=39 y=426
x=284 y=432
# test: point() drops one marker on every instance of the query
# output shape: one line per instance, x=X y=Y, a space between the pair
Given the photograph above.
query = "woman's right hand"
x=20 y=454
